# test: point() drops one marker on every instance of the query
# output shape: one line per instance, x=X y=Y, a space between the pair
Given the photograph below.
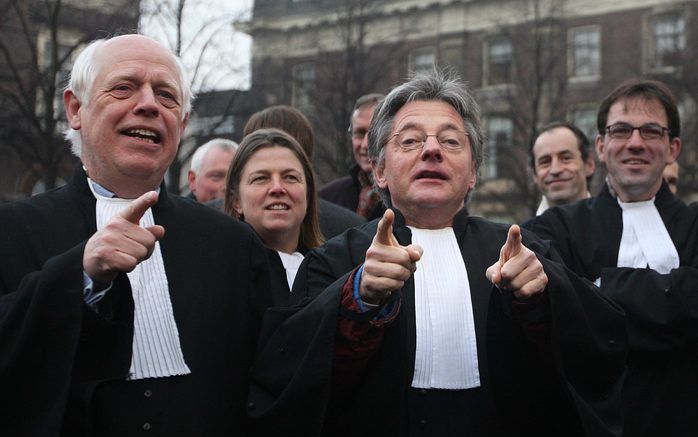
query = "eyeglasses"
x=623 y=131
x=450 y=139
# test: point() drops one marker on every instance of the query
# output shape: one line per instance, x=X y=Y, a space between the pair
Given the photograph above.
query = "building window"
x=303 y=82
x=668 y=40
x=585 y=119
x=451 y=56
x=498 y=62
x=584 y=50
x=421 y=60
x=500 y=131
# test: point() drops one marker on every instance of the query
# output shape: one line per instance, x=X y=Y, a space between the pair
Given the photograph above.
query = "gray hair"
x=432 y=86
x=220 y=143
x=84 y=73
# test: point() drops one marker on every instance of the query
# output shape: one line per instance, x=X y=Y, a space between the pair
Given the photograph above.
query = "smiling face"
x=560 y=172
x=132 y=122
x=429 y=184
x=635 y=165
x=272 y=197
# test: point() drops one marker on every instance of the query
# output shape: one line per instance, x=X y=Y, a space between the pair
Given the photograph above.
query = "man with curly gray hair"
x=448 y=324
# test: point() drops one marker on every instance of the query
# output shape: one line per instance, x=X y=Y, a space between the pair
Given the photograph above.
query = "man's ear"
x=379 y=175
x=600 y=146
x=72 y=109
x=674 y=149
x=184 y=124
x=473 y=178
x=191 y=177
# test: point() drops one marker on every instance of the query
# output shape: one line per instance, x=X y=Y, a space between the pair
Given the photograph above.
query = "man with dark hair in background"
x=562 y=165
x=640 y=245
x=355 y=191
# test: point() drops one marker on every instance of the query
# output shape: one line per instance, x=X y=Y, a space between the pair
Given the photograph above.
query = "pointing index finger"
x=135 y=211
x=512 y=246
x=384 y=232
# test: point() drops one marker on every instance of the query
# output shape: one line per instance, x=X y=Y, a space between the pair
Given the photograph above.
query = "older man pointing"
x=119 y=312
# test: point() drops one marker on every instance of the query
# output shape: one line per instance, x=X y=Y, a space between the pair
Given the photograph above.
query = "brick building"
x=528 y=62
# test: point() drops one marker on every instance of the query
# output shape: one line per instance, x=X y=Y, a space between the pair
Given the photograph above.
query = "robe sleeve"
x=662 y=309
x=588 y=343
x=47 y=339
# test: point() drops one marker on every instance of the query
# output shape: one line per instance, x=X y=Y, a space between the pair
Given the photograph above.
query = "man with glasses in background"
x=355 y=191
x=640 y=245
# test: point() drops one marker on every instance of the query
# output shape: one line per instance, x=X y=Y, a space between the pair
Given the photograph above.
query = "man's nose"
x=364 y=141
x=635 y=140
x=555 y=166
x=147 y=103
x=431 y=148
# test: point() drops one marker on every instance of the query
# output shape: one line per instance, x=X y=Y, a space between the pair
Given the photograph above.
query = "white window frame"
x=487 y=59
x=496 y=124
x=587 y=51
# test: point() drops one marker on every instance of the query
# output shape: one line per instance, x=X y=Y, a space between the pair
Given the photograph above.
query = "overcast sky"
x=226 y=62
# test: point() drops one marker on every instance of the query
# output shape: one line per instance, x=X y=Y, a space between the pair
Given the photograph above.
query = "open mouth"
x=277 y=207
x=143 y=134
x=431 y=175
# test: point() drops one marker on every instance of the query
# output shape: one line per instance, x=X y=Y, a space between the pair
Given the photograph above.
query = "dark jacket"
x=63 y=365
x=572 y=390
x=661 y=392
x=345 y=193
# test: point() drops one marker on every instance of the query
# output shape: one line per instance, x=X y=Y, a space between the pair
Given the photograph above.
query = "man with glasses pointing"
x=640 y=245
x=420 y=341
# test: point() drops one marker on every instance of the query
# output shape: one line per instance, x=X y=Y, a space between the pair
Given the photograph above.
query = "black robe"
x=573 y=390
x=62 y=365
x=661 y=392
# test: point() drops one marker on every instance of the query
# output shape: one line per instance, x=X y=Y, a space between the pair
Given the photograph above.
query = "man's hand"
x=388 y=265
x=518 y=269
x=123 y=243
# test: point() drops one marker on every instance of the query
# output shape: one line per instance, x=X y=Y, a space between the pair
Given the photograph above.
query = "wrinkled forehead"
x=131 y=54
x=428 y=114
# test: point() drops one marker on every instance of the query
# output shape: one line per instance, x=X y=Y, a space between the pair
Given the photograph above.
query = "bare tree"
x=201 y=34
x=351 y=61
x=531 y=94
x=38 y=40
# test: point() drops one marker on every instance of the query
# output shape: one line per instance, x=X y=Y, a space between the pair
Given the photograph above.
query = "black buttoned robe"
x=63 y=365
x=660 y=397
x=568 y=384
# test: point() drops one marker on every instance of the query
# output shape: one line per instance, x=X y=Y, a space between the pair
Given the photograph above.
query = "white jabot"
x=446 y=352
x=544 y=206
x=156 y=348
x=291 y=262
x=645 y=240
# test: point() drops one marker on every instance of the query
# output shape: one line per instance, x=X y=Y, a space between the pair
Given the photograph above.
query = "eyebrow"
x=159 y=83
x=441 y=127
